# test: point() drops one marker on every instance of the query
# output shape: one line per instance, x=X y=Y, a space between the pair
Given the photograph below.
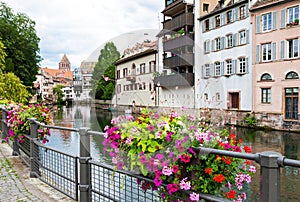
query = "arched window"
x=292 y=75
x=133 y=69
x=266 y=77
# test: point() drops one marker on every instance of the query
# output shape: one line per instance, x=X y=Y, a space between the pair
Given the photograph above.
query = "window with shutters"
x=206 y=25
x=292 y=14
x=242 y=65
x=266 y=95
x=217 y=21
x=217 y=69
x=293 y=48
x=242 y=37
x=266 y=52
x=229 y=69
x=229 y=41
x=217 y=44
x=267 y=22
x=229 y=17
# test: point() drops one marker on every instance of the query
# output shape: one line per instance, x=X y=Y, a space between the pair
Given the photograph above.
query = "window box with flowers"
x=160 y=146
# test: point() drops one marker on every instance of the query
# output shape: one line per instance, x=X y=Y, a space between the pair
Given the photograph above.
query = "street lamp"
x=157 y=100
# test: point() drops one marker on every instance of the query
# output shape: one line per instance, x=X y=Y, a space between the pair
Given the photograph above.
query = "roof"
x=266 y=3
x=58 y=73
x=64 y=59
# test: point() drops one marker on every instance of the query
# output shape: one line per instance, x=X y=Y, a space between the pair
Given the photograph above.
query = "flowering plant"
x=18 y=116
x=163 y=147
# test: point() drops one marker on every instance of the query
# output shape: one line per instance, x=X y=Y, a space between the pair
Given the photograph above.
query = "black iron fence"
x=82 y=178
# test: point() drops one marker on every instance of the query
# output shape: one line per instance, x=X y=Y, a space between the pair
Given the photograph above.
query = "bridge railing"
x=82 y=178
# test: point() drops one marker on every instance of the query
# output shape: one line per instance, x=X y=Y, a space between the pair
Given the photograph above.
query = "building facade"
x=223 y=57
x=276 y=61
x=134 y=76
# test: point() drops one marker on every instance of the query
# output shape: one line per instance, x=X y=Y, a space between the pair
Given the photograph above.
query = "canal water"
x=288 y=144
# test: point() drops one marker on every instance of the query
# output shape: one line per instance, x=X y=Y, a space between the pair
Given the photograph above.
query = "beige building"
x=134 y=76
x=276 y=62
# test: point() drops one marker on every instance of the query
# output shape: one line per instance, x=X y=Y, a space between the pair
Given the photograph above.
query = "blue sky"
x=78 y=27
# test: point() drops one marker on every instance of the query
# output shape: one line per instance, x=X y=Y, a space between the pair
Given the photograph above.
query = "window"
x=267 y=22
x=293 y=48
x=205 y=7
x=205 y=96
x=206 y=25
x=142 y=68
x=293 y=14
x=242 y=37
x=242 y=12
x=125 y=72
x=206 y=46
x=266 y=52
x=207 y=70
x=266 y=95
x=217 y=69
x=118 y=74
x=229 y=67
x=152 y=66
x=218 y=98
x=242 y=65
x=291 y=103
x=217 y=21
x=229 y=41
x=217 y=44
x=266 y=77
x=229 y=16
x=292 y=75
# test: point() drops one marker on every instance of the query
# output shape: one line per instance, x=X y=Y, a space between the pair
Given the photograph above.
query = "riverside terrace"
x=84 y=179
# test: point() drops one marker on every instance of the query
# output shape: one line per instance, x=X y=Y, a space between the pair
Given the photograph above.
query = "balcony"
x=131 y=78
x=174 y=7
x=180 y=41
x=179 y=61
x=180 y=79
x=179 y=21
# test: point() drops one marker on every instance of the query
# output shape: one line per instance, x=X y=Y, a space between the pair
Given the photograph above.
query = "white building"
x=223 y=52
x=134 y=76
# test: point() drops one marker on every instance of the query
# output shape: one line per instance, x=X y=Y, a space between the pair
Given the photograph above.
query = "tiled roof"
x=64 y=59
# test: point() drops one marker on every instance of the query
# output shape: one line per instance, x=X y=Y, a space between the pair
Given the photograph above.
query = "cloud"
x=78 y=27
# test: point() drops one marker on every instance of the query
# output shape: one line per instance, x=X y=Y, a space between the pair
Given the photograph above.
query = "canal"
x=288 y=144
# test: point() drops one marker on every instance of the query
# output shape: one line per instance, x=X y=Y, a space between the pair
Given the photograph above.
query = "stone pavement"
x=16 y=185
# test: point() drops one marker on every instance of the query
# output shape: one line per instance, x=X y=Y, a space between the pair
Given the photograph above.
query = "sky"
x=78 y=27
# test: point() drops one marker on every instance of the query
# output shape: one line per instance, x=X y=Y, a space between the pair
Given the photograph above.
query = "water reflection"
x=84 y=116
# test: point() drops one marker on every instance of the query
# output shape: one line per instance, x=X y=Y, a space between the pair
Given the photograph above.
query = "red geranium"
x=219 y=178
x=231 y=194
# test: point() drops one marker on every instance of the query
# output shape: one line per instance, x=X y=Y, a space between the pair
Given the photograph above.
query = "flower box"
x=161 y=146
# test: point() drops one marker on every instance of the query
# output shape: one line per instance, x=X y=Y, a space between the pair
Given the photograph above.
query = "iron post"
x=34 y=149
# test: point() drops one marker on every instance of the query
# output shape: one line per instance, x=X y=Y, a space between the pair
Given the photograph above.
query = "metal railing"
x=101 y=182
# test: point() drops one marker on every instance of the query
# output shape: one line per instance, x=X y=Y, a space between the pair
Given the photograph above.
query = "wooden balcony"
x=180 y=41
x=179 y=61
x=173 y=80
x=179 y=21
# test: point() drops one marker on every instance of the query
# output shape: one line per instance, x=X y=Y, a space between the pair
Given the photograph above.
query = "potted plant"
x=296 y=22
x=162 y=147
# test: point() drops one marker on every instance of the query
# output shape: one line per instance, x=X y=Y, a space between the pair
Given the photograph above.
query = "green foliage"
x=250 y=120
x=11 y=88
x=58 y=94
x=18 y=35
x=104 y=67
x=2 y=57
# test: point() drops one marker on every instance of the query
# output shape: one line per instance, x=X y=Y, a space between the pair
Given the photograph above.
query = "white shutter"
x=202 y=71
x=257 y=54
x=208 y=45
x=282 y=18
x=247 y=36
x=274 y=51
x=274 y=20
x=257 y=24
x=247 y=65
x=212 y=45
x=211 y=23
x=222 y=68
x=282 y=49
x=212 y=70
x=234 y=66
x=222 y=43
x=235 y=39
x=222 y=19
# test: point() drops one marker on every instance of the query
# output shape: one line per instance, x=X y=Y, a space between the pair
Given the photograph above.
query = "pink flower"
x=194 y=197
x=157 y=181
x=120 y=165
x=185 y=185
x=252 y=169
x=172 y=188
x=167 y=171
x=143 y=159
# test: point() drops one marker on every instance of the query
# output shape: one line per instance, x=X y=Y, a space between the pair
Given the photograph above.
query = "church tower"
x=64 y=64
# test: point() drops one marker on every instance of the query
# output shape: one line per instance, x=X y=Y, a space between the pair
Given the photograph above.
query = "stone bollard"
x=85 y=156
x=4 y=128
x=270 y=176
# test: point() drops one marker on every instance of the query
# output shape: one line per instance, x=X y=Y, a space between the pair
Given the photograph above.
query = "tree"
x=105 y=68
x=2 y=57
x=58 y=94
x=11 y=88
x=18 y=35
